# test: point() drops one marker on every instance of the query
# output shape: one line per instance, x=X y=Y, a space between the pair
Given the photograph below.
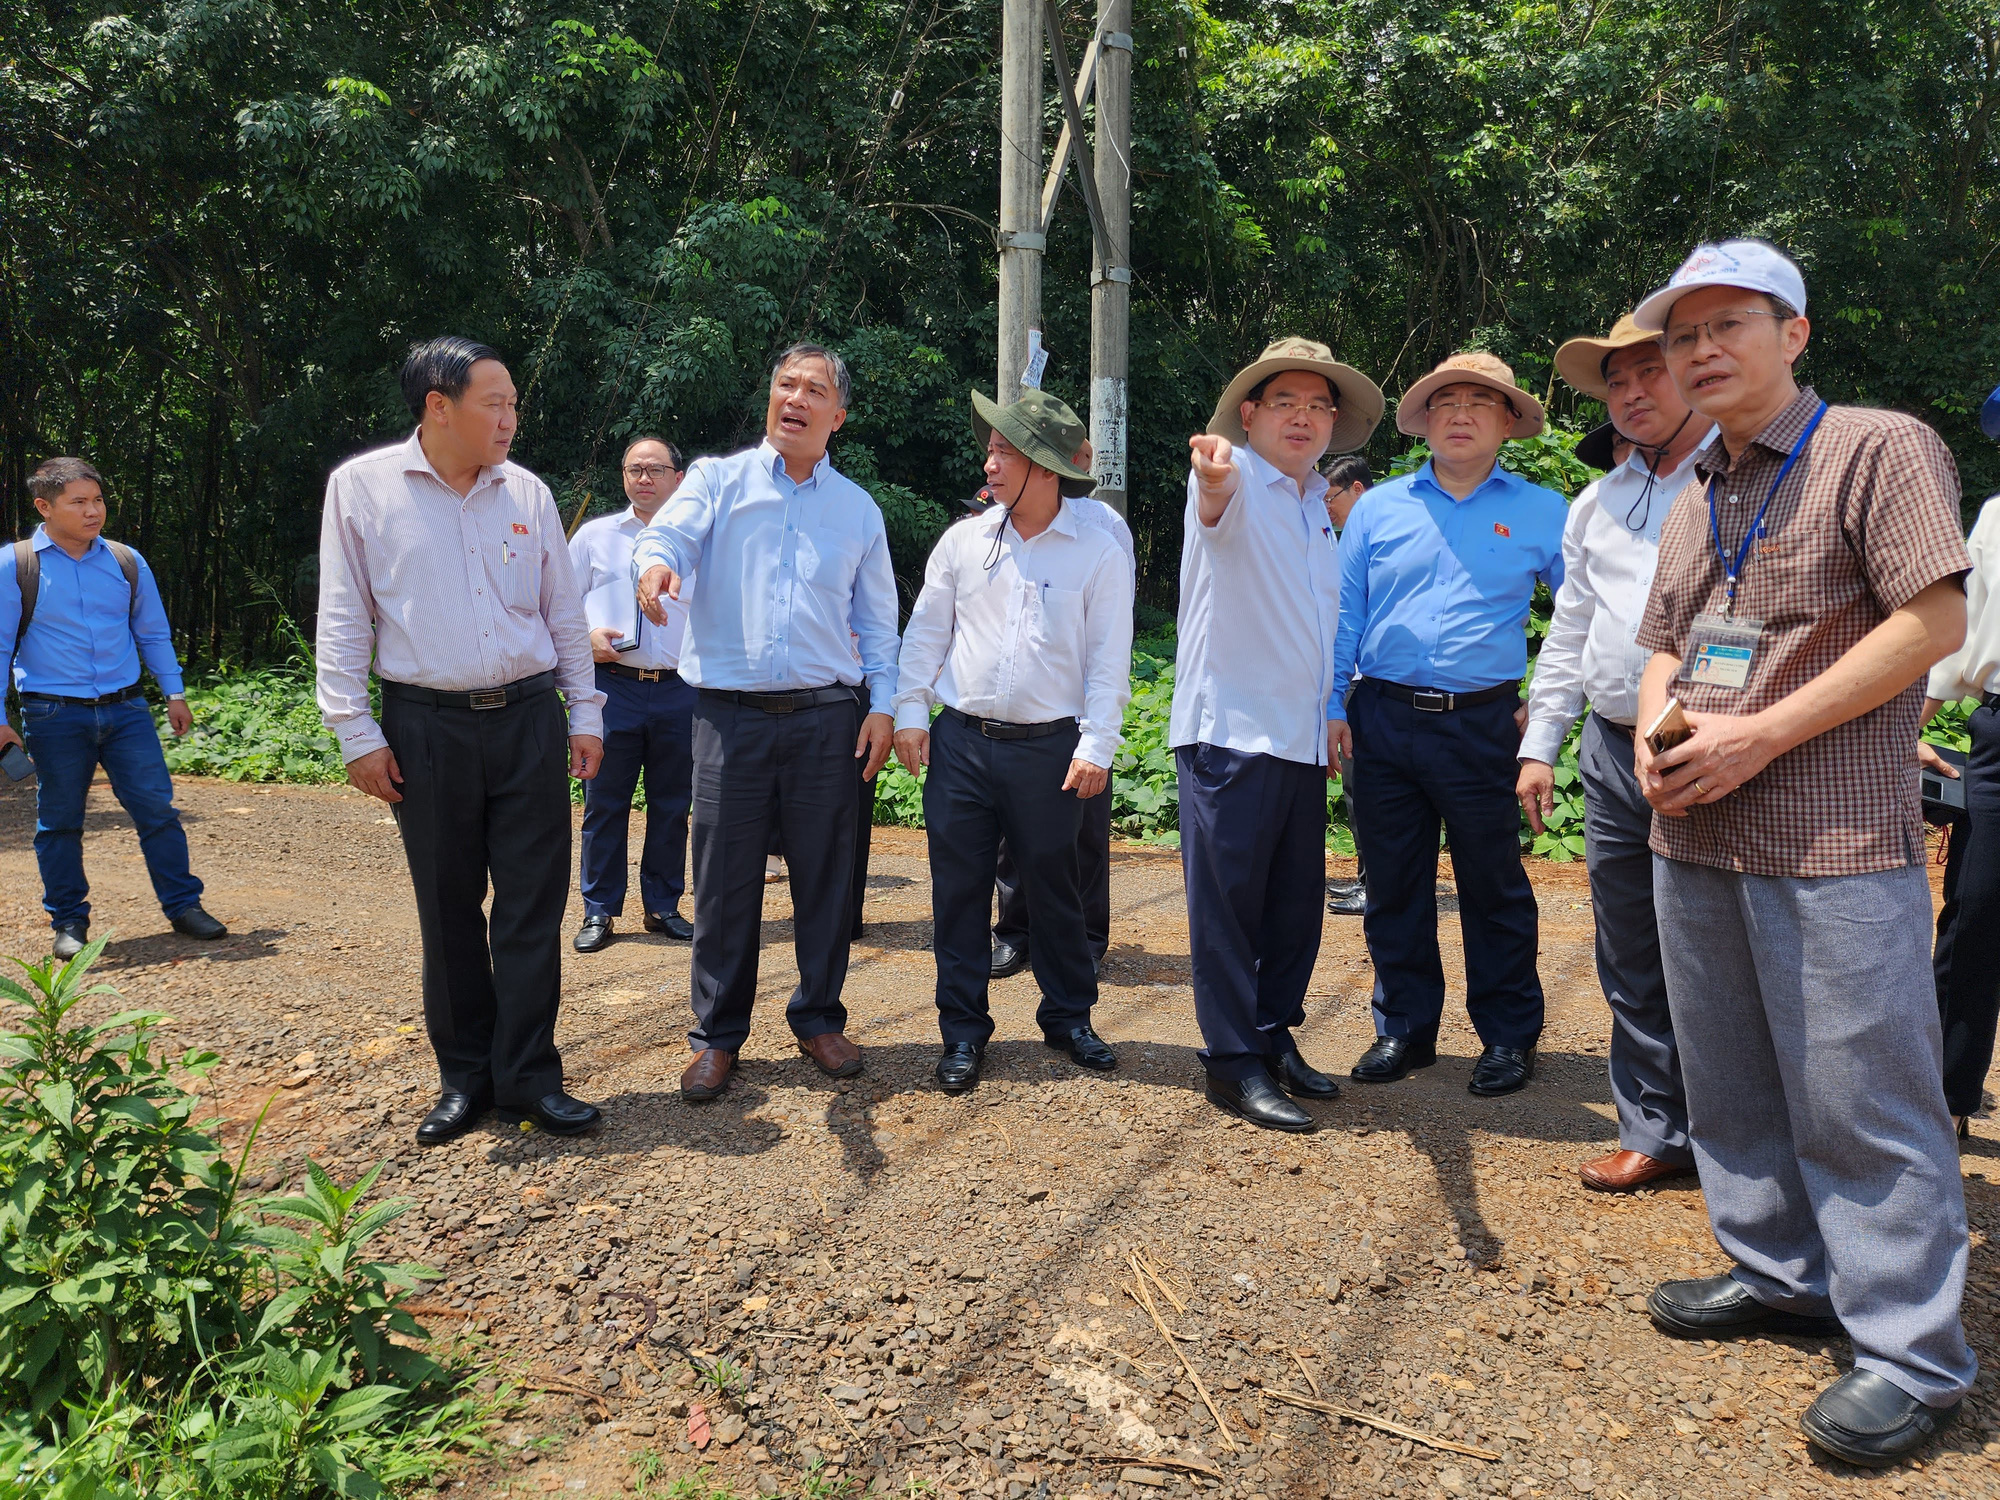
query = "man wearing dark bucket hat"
x=1260 y=597
x=1022 y=639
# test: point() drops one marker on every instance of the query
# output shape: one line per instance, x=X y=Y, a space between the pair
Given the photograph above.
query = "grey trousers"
x=1645 y=1064
x=1809 y=1040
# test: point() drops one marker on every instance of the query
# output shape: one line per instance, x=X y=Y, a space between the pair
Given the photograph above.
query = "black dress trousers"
x=486 y=796
x=756 y=773
x=976 y=791
x=1967 y=957
x=1093 y=875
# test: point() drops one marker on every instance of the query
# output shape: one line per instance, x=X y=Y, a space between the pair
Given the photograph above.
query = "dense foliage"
x=223 y=222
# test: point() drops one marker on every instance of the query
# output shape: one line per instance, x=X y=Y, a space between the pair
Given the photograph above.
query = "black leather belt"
x=1000 y=729
x=1432 y=701
x=639 y=674
x=1991 y=700
x=134 y=691
x=786 y=703
x=1627 y=730
x=500 y=697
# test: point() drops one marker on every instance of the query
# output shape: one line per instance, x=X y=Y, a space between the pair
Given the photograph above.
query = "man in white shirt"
x=444 y=564
x=648 y=714
x=1260 y=602
x=791 y=642
x=1610 y=544
x=1022 y=636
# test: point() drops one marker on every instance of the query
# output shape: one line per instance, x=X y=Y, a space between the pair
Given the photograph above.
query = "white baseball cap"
x=1753 y=265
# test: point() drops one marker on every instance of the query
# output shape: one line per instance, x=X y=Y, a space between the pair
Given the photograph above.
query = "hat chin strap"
x=1655 y=454
x=1007 y=516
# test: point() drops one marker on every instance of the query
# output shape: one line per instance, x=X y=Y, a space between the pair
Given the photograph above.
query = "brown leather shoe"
x=1622 y=1171
x=707 y=1075
x=836 y=1056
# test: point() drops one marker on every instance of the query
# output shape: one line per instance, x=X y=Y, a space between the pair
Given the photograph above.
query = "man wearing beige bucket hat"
x=1260 y=599
x=1591 y=652
x=1438 y=569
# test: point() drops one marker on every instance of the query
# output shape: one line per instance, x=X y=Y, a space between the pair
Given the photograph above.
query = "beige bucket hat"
x=1472 y=368
x=1358 y=398
x=1581 y=361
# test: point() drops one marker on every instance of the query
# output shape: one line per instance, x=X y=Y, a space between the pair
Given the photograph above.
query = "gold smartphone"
x=1669 y=729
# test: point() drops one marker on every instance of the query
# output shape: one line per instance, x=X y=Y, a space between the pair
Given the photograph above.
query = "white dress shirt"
x=1094 y=512
x=1611 y=544
x=601 y=552
x=1973 y=670
x=794 y=584
x=1046 y=633
x=1260 y=603
x=453 y=594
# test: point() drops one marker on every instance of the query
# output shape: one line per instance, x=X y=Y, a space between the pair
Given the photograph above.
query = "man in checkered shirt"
x=1809 y=575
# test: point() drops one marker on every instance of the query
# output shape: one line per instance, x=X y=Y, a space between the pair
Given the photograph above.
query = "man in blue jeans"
x=92 y=613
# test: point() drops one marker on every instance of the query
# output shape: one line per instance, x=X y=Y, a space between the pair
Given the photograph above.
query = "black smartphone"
x=15 y=762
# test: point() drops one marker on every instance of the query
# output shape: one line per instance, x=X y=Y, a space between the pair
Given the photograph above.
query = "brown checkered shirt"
x=1866 y=520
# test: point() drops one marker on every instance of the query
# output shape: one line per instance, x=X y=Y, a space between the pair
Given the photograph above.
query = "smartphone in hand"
x=1669 y=729
x=16 y=763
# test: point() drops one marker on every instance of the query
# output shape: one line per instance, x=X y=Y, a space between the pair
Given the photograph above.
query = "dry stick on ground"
x=1156 y=1461
x=1413 y=1434
x=842 y=1417
x=1314 y=1384
x=1146 y=1263
x=1144 y=1298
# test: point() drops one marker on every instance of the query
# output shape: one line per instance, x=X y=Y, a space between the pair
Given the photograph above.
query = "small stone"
x=1571 y=1362
x=850 y=1392
x=728 y=1429
x=1152 y=1477
x=1451 y=1481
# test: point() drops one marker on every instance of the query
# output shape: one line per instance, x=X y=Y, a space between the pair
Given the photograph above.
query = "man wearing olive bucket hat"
x=1260 y=599
x=1022 y=639
x=1438 y=569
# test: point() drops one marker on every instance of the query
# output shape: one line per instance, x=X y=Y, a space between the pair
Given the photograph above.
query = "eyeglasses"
x=1310 y=408
x=648 y=471
x=1467 y=403
x=1724 y=328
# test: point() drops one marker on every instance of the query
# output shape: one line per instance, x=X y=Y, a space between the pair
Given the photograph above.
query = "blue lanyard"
x=1731 y=571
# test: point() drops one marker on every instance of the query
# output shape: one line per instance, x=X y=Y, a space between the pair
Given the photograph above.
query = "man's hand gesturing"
x=1214 y=474
x=655 y=581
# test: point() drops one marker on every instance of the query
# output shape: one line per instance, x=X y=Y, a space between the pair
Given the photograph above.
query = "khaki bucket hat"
x=1471 y=368
x=1358 y=398
x=1581 y=361
x=1043 y=428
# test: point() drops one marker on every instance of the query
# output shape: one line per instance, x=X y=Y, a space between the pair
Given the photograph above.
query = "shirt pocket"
x=828 y=561
x=520 y=573
x=1058 y=622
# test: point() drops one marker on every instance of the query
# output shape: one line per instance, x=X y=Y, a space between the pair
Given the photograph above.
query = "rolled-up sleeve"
x=346 y=641
x=1107 y=645
x=562 y=612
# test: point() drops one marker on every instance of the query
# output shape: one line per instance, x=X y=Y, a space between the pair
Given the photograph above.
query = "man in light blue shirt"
x=1438 y=570
x=95 y=614
x=792 y=648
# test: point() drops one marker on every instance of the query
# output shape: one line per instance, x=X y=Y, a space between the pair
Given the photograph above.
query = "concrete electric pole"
x=1021 y=236
x=1111 y=279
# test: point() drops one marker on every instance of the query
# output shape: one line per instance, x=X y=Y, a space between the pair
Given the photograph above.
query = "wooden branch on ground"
x=1144 y=1298
x=1396 y=1429
x=1156 y=1461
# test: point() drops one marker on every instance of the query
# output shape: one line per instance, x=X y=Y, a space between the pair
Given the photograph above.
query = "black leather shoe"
x=198 y=924
x=70 y=940
x=1258 y=1101
x=1352 y=903
x=1086 y=1049
x=556 y=1113
x=1502 y=1070
x=958 y=1066
x=1302 y=1080
x=672 y=923
x=1344 y=887
x=1870 y=1420
x=1720 y=1307
x=454 y=1114
x=593 y=935
x=1394 y=1057
x=1007 y=959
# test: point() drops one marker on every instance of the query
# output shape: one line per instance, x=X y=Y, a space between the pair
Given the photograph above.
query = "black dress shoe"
x=1257 y=1100
x=1352 y=903
x=1302 y=1080
x=1086 y=1049
x=1345 y=887
x=672 y=923
x=1007 y=959
x=594 y=934
x=958 y=1066
x=1502 y=1070
x=198 y=924
x=1870 y=1420
x=1722 y=1307
x=454 y=1114
x=1394 y=1057
x=556 y=1113
x=71 y=938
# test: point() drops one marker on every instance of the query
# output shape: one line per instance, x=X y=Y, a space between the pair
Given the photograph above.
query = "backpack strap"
x=28 y=578
x=128 y=564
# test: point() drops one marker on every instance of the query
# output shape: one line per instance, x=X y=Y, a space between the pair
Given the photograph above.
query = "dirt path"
x=928 y=1294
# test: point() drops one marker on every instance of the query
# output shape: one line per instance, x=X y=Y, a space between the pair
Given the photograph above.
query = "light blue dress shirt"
x=1434 y=591
x=86 y=640
x=793 y=583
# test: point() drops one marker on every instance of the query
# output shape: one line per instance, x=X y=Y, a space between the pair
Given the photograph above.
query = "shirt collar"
x=1778 y=436
x=1065 y=518
x=1634 y=466
x=1502 y=477
x=416 y=461
x=1260 y=468
x=774 y=461
x=43 y=541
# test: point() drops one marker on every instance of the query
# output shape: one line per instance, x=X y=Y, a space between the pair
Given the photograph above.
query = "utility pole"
x=1021 y=236
x=1111 y=282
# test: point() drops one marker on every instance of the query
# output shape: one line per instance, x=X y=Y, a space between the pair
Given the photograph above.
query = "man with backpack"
x=78 y=614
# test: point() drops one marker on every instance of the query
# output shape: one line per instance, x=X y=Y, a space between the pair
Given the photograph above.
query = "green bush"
x=256 y=725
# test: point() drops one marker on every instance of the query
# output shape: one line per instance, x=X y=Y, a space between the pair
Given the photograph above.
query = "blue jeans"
x=69 y=742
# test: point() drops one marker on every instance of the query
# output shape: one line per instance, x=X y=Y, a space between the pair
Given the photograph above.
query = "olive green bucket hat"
x=1041 y=427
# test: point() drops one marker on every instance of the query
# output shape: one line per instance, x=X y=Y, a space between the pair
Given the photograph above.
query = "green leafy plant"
x=261 y=725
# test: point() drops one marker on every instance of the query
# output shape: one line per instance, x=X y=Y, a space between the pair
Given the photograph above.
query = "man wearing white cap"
x=1610 y=545
x=1808 y=579
x=1260 y=599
